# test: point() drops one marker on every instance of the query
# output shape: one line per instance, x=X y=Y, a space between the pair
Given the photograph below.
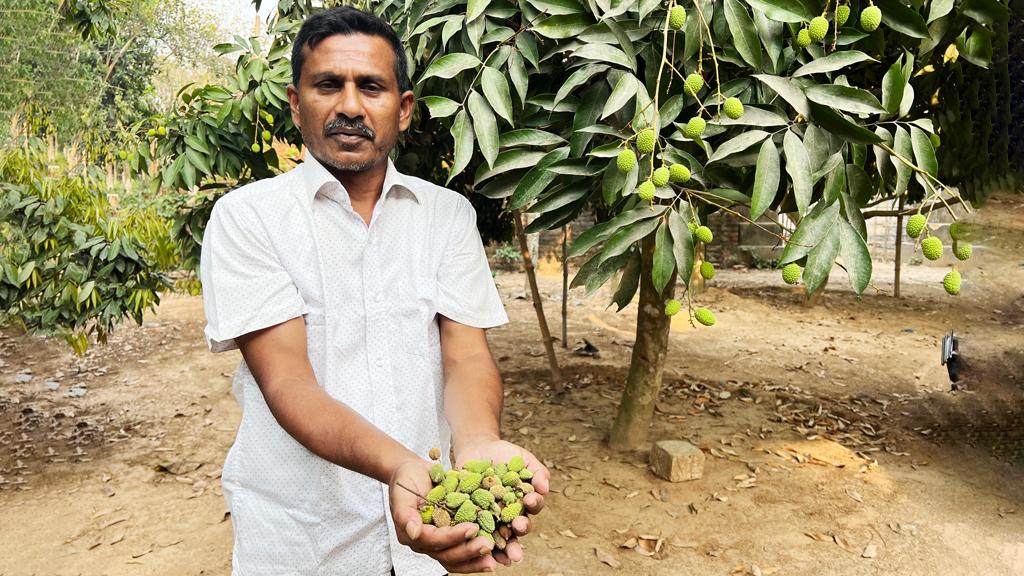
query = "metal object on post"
x=951 y=357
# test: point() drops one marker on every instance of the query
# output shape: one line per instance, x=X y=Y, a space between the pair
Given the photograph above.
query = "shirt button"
x=380 y=361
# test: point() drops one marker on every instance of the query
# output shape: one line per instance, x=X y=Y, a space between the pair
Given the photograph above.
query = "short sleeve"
x=466 y=290
x=245 y=287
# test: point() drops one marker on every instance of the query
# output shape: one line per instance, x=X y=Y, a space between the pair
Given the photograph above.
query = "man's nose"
x=349 y=103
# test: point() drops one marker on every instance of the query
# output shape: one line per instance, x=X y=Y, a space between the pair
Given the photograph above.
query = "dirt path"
x=833 y=443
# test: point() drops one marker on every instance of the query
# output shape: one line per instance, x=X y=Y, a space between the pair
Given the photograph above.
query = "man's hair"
x=345 y=20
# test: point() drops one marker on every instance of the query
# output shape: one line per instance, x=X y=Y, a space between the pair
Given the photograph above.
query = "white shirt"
x=293 y=246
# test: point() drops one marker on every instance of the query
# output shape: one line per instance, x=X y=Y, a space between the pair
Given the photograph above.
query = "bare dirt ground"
x=834 y=444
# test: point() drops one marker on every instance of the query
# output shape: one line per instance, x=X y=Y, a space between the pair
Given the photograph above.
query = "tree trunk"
x=538 y=305
x=899 y=250
x=566 y=232
x=633 y=421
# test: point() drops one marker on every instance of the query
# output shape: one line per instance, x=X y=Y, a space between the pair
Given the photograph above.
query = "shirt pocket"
x=412 y=315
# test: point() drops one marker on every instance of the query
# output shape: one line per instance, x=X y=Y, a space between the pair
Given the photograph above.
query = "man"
x=358 y=297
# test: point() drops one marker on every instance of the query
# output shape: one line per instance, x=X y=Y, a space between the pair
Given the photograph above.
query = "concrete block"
x=677 y=460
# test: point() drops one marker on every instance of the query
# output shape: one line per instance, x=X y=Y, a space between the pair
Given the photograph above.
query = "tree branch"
x=911 y=211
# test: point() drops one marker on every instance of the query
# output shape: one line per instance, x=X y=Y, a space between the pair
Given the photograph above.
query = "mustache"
x=339 y=124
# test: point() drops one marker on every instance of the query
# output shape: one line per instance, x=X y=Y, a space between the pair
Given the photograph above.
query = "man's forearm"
x=334 y=431
x=473 y=399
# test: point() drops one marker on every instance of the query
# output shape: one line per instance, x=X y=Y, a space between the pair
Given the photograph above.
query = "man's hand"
x=457 y=548
x=502 y=451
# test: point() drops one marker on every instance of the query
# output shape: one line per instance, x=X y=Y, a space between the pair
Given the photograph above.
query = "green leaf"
x=670 y=110
x=893 y=85
x=605 y=53
x=558 y=7
x=811 y=230
x=439 y=106
x=664 y=258
x=484 y=126
x=836 y=181
x=903 y=146
x=835 y=123
x=198 y=160
x=770 y=33
x=924 y=152
x=612 y=183
x=496 y=89
x=753 y=116
x=728 y=195
x=827 y=167
x=766 y=179
x=559 y=198
x=821 y=259
x=844 y=98
x=577 y=78
x=832 y=62
x=939 y=8
x=986 y=12
x=624 y=91
x=682 y=242
x=561 y=27
x=629 y=282
x=789 y=92
x=607 y=268
x=856 y=258
x=628 y=235
x=798 y=166
x=859 y=184
x=449 y=65
x=738 y=144
x=600 y=232
x=901 y=18
x=527 y=46
x=529 y=137
x=978 y=49
x=520 y=79
x=474 y=8
x=744 y=35
x=462 y=135
x=508 y=160
x=783 y=10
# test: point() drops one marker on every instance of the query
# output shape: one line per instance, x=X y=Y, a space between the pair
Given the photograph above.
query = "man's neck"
x=364 y=188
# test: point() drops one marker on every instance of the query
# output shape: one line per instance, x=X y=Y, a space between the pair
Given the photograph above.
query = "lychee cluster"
x=482 y=492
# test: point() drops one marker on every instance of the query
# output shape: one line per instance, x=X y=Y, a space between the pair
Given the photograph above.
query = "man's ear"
x=405 y=110
x=293 y=103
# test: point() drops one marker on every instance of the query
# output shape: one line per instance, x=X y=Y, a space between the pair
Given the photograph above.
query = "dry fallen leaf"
x=568 y=534
x=607 y=558
x=855 y=495
x=819 y=536
x=630 y=544
x=844 y=543
x=870 y=551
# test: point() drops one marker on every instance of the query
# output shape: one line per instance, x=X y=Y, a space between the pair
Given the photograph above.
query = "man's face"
x=347 y=105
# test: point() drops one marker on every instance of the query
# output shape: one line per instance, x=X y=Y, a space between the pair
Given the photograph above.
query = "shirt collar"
x=319 y=181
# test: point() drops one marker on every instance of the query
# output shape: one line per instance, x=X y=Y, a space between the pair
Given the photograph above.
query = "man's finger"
x=541 y=480
x=533 y=503
x=521 y=525
x=468 y=551
x=484 y=563
x=514 y=550
x=434 y=539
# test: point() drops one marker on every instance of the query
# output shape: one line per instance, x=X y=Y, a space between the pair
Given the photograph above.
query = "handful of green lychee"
x=483 y=492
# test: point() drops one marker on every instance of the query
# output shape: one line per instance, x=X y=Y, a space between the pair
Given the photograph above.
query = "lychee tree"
x=658 y=115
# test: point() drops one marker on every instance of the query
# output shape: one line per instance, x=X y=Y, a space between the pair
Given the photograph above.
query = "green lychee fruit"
x=151 y=132
x=871 y=18
x=694 y=128
x=707 y=270
x=956 y=231
x=963 y=250
x=500 y=469
x=465 y=513
x=676 y=18
x=485 y=520
x=477 y=466
x=122 y=154
x=483 y=498
x=255 y=147
x=646 y=191
x=803 y=38
x=645 y=141
x=510 y=497
x=437 y=473
x=511 y=512
x=451 y=481
x=704 y=316
x=489 y=481
x=437 y=494
x=266 y=135
x=485 y=534
x=498 y=491
x=673 y=307
x=441 y=518
x=915 y=225
x=818 y=29
x=791 y=273
x=931 y=247
x=525 y=487
x=455 y=499
x=661 y=176
x=678 y=173
x=626 y=161
x=510 y=479
x=842 y=15
x=470 y=482
x=427 y=514
x=733 y=108
x=516 y=463
x=162 y=131
x=704 y=234
x=693 y=83
x=692 y=226
x=951 y=282
x=526 y=475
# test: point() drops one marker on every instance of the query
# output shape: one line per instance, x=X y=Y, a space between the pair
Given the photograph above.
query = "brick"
x=677 y=460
